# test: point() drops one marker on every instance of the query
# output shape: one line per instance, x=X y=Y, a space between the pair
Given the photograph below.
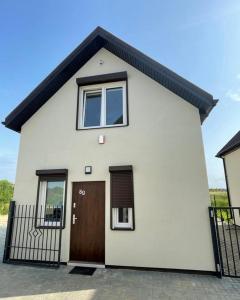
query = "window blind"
x=121 y=187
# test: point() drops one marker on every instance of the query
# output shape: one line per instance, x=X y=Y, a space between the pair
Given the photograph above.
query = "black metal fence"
x=33 y=235
x=225 y=229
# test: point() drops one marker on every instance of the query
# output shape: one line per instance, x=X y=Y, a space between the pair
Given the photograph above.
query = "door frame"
x=84 y=181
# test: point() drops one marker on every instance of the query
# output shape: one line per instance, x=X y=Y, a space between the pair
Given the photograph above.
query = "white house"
x=230 y=155
x=115 y=138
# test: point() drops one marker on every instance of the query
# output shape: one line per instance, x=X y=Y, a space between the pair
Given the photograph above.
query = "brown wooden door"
x=88 y=232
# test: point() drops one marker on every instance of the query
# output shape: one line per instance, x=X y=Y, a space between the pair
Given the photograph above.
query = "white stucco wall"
x=232 y=163
x=163 y=142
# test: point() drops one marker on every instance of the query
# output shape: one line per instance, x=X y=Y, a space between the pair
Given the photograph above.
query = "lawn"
x=219 y=198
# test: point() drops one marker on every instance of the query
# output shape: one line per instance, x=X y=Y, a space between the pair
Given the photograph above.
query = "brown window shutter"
x=121 y=187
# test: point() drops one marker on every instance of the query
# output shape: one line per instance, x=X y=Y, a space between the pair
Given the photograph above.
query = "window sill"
x=122 y=229
x=101 y=127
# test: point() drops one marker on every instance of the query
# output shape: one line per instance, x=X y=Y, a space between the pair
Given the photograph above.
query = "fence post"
x=215 y=243
x=60 y=237
x=9 y=232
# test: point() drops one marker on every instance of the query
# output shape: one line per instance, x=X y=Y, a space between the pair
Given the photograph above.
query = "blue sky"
x=199 y=40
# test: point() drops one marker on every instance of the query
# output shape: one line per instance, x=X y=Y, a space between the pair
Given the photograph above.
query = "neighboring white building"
x=230 y=155
x=115 y=138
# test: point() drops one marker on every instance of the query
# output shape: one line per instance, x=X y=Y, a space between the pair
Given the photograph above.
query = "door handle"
x=73 y=219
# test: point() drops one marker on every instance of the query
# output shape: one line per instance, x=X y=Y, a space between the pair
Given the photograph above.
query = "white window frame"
x=96 y=88
x=115 y=219
x=42 y=198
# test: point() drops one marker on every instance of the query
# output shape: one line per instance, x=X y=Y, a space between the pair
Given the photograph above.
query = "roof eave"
x=232 y=145
x=221 y=153
x=204 y=115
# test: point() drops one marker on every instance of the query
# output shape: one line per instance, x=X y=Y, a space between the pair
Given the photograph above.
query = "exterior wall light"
x=88 y=169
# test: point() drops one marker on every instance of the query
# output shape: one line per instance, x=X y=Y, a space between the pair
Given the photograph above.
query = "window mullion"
x=83 y=106
x=45 y=202
x=124 y=104
x=42 y=201
x=103 y=107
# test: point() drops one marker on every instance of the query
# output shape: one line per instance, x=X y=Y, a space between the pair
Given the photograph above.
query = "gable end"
x=89 y=47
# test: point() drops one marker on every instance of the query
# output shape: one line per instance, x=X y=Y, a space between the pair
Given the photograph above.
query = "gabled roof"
x=232 y=145
x=91 y=45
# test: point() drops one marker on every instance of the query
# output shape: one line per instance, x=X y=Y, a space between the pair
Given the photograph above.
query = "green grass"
x=220 y=199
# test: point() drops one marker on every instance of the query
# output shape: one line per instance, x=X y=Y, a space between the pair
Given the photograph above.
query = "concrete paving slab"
x=25 y=282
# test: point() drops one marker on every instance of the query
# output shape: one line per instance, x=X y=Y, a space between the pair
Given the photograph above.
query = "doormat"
x=83 y=271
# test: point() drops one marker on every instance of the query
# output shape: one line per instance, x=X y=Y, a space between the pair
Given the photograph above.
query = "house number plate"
x=82 y=192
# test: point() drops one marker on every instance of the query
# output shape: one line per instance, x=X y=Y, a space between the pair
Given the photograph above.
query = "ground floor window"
x=51 y=200
x=122 y=199
x=122 y=217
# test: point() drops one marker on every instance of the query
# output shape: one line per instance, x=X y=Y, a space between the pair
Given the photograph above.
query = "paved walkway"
x=230 y=248
x=21 y=282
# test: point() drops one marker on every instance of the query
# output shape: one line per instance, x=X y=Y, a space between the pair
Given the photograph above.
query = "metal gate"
x=225 y=229
x=33 y=235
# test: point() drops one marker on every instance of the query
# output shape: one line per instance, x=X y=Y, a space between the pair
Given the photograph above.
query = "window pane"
x=123 y=215
x=114 y=106
x=54 y=200
x=92 y=109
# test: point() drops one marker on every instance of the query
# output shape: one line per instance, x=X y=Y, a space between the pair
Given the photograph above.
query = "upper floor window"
x=102 y=105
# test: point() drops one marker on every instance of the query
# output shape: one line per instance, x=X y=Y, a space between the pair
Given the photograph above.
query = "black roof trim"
x=111 y=77
x=120 y=168
x=52 y=172
x=91 y=45
x=231 y=146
